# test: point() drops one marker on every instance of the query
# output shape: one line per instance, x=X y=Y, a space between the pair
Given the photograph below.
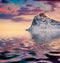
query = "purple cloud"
x=20 y=19
x=29 y=5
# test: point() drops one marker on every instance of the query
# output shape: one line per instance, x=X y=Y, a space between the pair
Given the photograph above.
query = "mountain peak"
x=42 y=15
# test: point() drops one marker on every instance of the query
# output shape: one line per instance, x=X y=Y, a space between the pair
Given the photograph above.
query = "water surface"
x=23 y=49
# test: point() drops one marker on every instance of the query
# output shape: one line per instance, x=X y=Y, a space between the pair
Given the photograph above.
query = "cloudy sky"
x=20 y=13
x=24 y=10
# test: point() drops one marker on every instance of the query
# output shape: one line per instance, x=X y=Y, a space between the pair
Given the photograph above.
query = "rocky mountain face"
x=44 y=29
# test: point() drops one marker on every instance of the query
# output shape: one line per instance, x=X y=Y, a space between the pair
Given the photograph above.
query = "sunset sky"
x=17 y=15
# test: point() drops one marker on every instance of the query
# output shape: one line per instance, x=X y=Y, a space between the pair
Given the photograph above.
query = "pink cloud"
x=57 y=4
x=2 y=10
x=10 y=9
x=1 y=4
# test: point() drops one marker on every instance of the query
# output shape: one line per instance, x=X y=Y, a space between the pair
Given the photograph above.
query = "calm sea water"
x=24 y=49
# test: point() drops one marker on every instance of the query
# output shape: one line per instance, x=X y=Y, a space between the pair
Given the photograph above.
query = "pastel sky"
x=20 y=13
x=23 y=10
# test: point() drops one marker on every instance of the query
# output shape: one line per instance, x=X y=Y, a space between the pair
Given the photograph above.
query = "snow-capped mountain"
x=42 y=21
x=44 y=29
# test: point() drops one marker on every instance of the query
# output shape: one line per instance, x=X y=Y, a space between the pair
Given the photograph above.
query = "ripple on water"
x=27 y=51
